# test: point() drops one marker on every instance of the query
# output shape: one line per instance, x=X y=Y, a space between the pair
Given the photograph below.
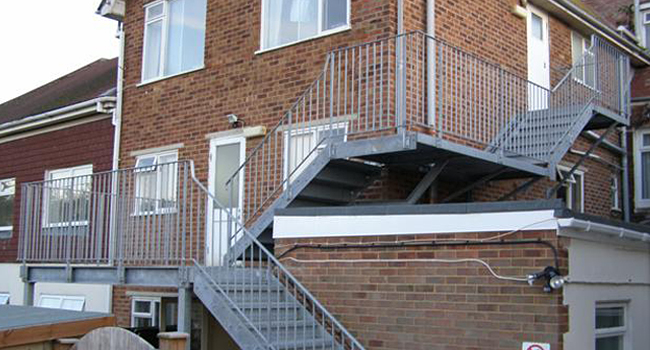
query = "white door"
x=539 y=67
x=226 y=155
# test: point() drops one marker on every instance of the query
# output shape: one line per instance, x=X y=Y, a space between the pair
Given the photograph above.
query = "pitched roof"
x=94 y=80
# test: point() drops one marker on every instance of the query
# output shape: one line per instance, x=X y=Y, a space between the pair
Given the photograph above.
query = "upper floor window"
x=582 y=59
x=4 y=298
x=67 y=196
x=289 y=21
x=7 y=193
x=174 y=37
x=642 y=168
x=572 y=192
x=155 y=182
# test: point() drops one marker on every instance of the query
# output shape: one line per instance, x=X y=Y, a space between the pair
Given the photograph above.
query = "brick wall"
x=27 y=160
x=433 y=305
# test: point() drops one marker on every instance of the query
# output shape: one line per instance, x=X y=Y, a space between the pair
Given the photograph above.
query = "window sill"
x=155 y=80
x=321 y=35
x=153 y=213
x=66 y=224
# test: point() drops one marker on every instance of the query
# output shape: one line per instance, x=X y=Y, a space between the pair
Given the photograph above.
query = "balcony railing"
x=387 y=86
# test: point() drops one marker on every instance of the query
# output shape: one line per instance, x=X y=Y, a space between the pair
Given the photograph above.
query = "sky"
x=42 y=40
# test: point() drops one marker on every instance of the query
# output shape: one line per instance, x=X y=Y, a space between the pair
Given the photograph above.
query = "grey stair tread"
x=357 y=166
x=319 y=344
x=299 y=323
x=260 y=306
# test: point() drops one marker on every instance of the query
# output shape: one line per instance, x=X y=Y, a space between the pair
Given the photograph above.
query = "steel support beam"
x=582 y=159
x=185 y=312
x=426 y=182
x=480 y=182
x=526 y=185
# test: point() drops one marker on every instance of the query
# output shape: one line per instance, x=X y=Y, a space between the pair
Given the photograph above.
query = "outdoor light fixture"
x=234 y=120
x=554 y=280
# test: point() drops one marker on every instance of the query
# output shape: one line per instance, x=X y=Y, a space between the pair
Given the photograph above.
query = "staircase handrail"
x=268 y=255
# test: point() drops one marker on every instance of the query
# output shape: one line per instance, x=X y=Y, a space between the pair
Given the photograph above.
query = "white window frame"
x=615 y=188
x=614 y=331
x=571 y=182
x=48 y=177
x=152 y=314
x=585 y=45
x=164 y=17
x=61 y=299
x=645 y=18
x=639 y=149
x=8 y=188
x=158 y=194
x=320 y=32
x=5 y=298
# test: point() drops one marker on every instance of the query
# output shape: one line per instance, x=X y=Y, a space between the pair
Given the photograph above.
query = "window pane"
x=646 y=139
x=141 y=322
x=537 y=27
x=168 y=174
x=335 y=14
x=50 y=302
x=154 y=11
x=186 y=37
x=290 y=20
x=152 y=47
x=227 y=162
x=72 y=304
x=609 y=317
x=142 y=306
x=6 y=210
x=647 y=35
x=146 y=191
x=645 y=173
x=4 y=299
x=610 y=343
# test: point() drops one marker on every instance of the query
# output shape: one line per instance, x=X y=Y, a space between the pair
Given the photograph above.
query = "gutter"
x=97 y=105
x=117 y=112
x=614 y=231
x=607 y=32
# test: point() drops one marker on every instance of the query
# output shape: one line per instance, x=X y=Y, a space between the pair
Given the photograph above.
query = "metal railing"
x=162 y=215
x=382 y=87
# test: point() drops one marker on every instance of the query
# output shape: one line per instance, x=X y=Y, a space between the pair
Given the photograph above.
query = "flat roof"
x=14 y=316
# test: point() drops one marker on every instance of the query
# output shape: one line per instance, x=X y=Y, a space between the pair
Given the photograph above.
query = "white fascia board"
x=384 y=225
x=58 y=115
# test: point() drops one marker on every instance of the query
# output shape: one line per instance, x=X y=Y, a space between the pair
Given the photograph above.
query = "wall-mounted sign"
x=535 y=346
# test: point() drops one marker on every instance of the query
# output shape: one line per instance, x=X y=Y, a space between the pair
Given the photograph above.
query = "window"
x=156 y=183
x=144 y=312
x=572 y=192
x=611 y=327
x=615 y=192
x=4 y=298
x=174 y=37
x=642 y=168
x=289 y=21
x=582 y=59
x=7 y=193
x=62 y=302
x=305 y=144
x=67 y=196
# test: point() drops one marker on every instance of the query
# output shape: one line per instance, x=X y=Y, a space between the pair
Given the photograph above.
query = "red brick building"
x=59 y=130
x=436 y=174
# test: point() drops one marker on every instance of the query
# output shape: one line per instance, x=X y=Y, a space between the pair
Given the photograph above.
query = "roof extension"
x=89 y=82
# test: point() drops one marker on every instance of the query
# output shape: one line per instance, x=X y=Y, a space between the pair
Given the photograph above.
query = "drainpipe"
x=626 y=176
x=431 y=61
x=399 y=84
x=117 y=116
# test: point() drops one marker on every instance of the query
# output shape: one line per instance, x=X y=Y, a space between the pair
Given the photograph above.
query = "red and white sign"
x=536 y=346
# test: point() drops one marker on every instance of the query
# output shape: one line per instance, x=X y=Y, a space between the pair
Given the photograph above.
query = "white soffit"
x=375 y=225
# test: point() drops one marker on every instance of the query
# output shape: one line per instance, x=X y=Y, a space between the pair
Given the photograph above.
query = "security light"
x=554 y=280
x=234 y=120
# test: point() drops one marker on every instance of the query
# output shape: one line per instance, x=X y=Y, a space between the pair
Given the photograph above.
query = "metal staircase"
x=370 y=104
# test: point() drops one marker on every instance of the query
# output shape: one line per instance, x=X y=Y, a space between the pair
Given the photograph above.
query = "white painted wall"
x=600 y=272
x=11 y=283
x=98 y=297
